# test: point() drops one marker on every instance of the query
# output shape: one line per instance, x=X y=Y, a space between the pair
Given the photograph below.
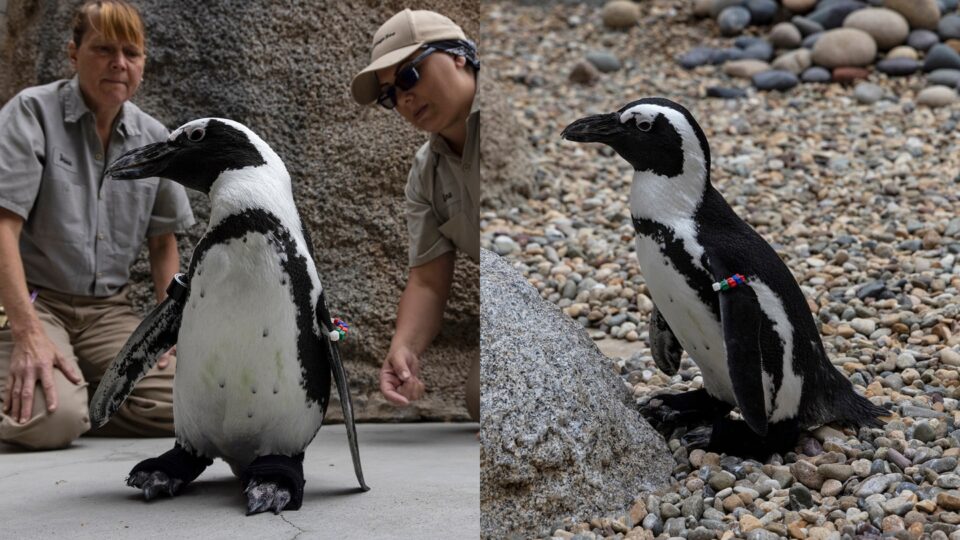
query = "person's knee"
x=50 y=430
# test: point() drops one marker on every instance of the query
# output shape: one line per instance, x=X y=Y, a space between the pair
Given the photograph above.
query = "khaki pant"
x=88 y=332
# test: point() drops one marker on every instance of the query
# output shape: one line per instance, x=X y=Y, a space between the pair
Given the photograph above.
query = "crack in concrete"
x=301 y=531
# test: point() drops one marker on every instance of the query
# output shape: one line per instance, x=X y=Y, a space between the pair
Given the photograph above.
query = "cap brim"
x=365 y=87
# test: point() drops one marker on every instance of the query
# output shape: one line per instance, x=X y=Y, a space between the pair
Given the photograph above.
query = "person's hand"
x=165 y=358
x=34 y=357
x=399 y=377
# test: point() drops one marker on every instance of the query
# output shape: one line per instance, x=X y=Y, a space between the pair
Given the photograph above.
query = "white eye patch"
x=643 y=119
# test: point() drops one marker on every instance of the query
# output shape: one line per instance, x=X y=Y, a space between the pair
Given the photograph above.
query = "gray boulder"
x=559 y=434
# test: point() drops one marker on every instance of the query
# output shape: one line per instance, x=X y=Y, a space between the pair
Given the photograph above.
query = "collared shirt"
x=81 y=232
x=443 y=196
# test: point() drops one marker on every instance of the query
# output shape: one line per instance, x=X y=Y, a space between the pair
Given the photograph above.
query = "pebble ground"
x=861 y=201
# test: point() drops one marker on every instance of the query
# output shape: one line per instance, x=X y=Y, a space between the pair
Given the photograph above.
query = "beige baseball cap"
x=397 y=39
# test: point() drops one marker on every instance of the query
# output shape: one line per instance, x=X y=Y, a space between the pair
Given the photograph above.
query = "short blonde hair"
x=116 y=20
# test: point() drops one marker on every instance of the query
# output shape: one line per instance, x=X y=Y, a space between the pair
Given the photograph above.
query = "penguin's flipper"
x=155 y=335
x=740 y=317
x=664 y=344
x=343 y=389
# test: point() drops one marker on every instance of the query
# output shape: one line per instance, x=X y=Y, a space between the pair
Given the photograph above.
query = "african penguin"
x=255 y=342
x=755 y=342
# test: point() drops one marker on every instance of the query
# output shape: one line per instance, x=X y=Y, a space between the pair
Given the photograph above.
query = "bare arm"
x=418 y=321
x=34 y=355
x=164 y=262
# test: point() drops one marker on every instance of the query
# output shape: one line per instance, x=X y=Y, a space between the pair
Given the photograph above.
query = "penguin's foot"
x=665 y=412
x=154 y=483
x=273 y=482
x=266 y=495
x=735 y=437
x=697 y=438
x=167 y=473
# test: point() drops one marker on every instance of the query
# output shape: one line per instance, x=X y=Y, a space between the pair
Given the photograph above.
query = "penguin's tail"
x=840 y=404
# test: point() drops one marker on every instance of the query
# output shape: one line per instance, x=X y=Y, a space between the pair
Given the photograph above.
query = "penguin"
x=720 y=293
x=256 y=346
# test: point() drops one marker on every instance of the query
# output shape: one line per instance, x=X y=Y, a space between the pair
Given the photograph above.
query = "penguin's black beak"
x=601 y=128
x=143 y=162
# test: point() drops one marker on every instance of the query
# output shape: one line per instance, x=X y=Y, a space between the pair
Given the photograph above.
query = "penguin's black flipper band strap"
x=664 y=345
x=740 y=317
x=284 y=470
x=156 y=334
x=176 y=463
x=343 y=387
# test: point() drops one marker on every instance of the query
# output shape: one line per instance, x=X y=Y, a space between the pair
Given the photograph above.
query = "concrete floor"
x=424 y=480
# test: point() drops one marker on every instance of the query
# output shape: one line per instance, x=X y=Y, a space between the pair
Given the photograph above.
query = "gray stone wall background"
x=283 y=69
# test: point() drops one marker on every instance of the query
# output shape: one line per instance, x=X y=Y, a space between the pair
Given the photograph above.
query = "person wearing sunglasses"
x=425 y=68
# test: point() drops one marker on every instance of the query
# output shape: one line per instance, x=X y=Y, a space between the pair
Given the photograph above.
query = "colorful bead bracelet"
x=339 y=333
x=731 y=282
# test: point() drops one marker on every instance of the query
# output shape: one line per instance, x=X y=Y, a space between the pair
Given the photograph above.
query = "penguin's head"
x=195 y=154
x=654 y=135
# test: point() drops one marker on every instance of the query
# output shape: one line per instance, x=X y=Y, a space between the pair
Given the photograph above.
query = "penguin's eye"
x=196 y=135
x=644 y=125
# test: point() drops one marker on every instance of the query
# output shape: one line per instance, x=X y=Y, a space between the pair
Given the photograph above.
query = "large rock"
x=785 y=36
x=937 y=96
x=507 y=167
x=941 y=56
x=844 y=47
x=559 y=435
x=919 y=13
x=887 y=27
x=279 y=69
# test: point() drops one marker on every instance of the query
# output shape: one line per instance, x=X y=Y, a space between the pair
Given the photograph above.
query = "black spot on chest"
x=672 y=249
x=316 y=377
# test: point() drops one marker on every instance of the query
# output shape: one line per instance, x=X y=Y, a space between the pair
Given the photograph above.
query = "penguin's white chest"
x=238 y=391
x=691 y=320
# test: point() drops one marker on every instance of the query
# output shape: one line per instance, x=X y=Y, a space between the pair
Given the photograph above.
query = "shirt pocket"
x=61 y=211
x=129 y=205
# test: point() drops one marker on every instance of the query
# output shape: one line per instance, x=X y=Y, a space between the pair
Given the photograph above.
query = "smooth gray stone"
x=941 y=56
x=832 y=16
x=717 y=6
x=605 y=61
x=811 y=40
x=743 y=42
x=899 y=67
x=921 y=39
x=759 y=51
x=867 y=93
x=696 y=57
x=948 y=5
x=816 y=74
x=806 y=26
x=733 y=20
x=946 y=77
x=726 y=93
x=775 y=79
x=762 y=12
x=949 y=27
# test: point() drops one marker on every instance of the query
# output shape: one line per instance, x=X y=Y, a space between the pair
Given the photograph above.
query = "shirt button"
x=100 y=236
x=98 y=157
x=99 y=274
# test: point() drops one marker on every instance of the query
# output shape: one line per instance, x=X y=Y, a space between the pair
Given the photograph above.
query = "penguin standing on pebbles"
x=255 y=342
x=722 y=294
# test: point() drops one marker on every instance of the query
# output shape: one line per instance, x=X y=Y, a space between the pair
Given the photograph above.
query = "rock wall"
x=284 y=70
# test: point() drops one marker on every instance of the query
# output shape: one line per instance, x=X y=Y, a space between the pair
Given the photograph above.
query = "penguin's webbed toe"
x=697 y=438
x=265 y=495
x=154 y=483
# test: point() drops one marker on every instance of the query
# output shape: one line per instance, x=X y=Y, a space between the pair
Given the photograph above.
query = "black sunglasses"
x=406 y=78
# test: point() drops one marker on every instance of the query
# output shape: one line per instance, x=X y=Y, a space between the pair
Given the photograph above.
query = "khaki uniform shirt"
x=81 y=232
x=443 y=197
